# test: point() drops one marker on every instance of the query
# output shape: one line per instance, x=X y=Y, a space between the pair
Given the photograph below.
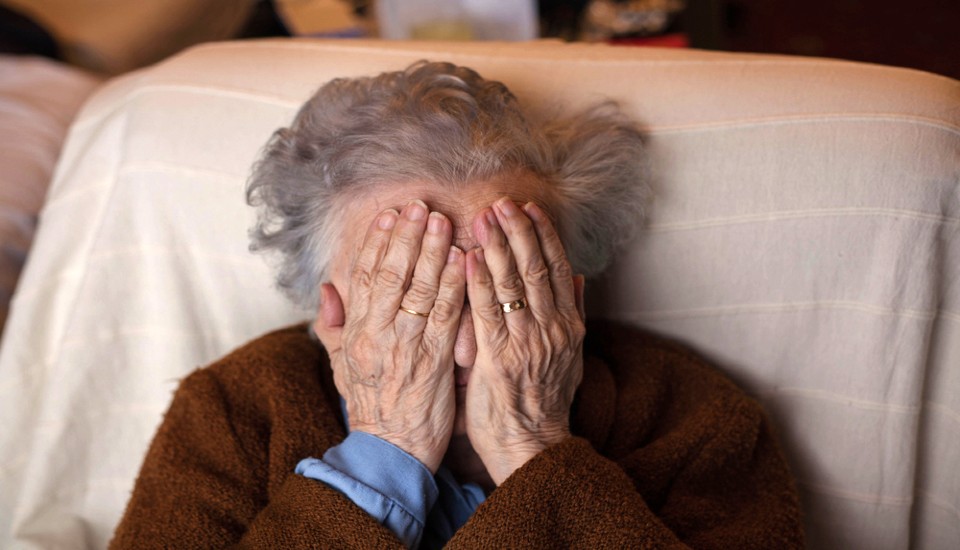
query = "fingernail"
x=454 y=255
x=435 y=222
x=387 y=219
x=491 y=218
x=416 y=210
x=533 y=211
x=478 y=252
x=508 y=208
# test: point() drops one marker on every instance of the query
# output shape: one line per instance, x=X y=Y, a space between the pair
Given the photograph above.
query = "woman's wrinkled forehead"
x=459 y=203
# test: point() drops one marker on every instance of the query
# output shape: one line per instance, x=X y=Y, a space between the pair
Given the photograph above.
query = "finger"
x=525 y=246
x=365 y=265
x=328 y=326
x=434 y=251
x=441 y=331
x=491 y=331
x=578 y=285
x=395 y=270
x=500 y=263
x=561 y=275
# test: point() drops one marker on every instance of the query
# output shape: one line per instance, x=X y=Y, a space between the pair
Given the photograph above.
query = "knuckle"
x=551 y=239
x=444 y=311
x=577 y=331
x=488 y=310
x=537 y=274
x=421 y=292
x=520 y=225
x=406 y=239
x=435 y=251
x=524 y=228
x=553 y=248
x=481 y=277
x=498 y=241
x=562 y=269
x=580 y=327
x=356 y=348
x=361 y=276
x=390 y=276
x=556 y=334
x=511 y=285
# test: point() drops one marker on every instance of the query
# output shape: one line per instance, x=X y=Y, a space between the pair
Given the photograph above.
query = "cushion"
x=38 y=99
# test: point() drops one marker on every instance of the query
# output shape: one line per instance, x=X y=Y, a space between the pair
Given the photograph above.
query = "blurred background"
x=922 y=34
x=112 y=36
x=55 y=53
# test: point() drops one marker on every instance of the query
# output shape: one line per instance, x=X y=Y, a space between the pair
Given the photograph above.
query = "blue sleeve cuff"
x=385 y=481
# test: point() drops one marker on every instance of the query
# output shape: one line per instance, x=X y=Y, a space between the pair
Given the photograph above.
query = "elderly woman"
x=445 y=392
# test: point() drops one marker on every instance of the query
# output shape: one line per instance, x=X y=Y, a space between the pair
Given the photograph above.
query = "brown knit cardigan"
x=666 y=453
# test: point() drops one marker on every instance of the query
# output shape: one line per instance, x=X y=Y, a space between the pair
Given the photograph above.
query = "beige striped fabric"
x=805 y=235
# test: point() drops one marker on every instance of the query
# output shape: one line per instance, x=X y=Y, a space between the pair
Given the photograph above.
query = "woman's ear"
x=328 y=324
x=578 y=283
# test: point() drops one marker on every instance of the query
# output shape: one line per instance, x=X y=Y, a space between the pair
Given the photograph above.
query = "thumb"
x=328 y=325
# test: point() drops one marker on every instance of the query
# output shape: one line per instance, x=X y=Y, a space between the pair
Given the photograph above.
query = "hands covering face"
x=395 y=367
x=530 y=361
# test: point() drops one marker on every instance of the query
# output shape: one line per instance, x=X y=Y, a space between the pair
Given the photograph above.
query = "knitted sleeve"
x=688 y=461
x=385 y=481
x=571 y=497
x=204 y=484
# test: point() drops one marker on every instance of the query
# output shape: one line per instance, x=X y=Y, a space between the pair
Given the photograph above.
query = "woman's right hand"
x=394 y=369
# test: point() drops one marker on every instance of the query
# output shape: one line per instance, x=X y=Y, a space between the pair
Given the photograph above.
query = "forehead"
x=459 y=203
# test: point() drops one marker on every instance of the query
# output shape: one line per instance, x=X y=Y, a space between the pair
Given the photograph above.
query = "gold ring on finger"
x=414 y=312
x=517 y=305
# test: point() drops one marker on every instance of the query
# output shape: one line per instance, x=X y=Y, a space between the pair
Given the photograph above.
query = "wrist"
x=503 y=463
x=430 y=459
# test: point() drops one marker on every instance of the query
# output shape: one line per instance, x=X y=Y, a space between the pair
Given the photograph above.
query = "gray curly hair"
x=444 y=124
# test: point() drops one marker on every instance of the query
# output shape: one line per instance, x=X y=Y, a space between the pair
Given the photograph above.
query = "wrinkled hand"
x=395 y=369
x=529 y=362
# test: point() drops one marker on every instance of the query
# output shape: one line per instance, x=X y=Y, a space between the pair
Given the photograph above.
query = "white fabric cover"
x=805 y=236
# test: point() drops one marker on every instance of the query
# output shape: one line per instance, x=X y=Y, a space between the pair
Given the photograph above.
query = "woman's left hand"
x=529 y=361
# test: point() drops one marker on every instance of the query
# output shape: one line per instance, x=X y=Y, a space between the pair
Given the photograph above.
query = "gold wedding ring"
x=412 y=312
x=508 y=307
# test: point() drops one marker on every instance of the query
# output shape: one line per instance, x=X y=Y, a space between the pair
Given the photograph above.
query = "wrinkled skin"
x=469 y=386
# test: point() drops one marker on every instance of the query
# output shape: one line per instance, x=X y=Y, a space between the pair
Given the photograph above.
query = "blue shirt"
x=396 y=489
